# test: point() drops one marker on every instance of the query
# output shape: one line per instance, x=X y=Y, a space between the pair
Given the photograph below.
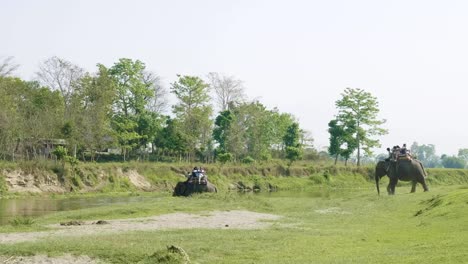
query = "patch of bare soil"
x=20 y=181
x=43 y=259
x=210 y=220
x=138 y=180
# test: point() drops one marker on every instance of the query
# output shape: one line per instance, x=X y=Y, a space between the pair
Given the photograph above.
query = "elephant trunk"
x=377 y=178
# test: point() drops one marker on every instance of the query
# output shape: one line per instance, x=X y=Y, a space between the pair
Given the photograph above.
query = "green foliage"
x=248 y=160
x=193 y=111
x=22 y=221
x=426 y=154
x=360 y=108
x=224 y=157
x=453 y=162
x=221 y=131
x=291 y=141
x=3 y=185
x=60 y=152
x=134 y=124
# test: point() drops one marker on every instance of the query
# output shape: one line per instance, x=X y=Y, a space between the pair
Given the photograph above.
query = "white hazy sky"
x=295 y=55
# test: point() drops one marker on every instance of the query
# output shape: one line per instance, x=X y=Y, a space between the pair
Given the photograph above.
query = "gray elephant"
x=187 y=188
x=403 y=170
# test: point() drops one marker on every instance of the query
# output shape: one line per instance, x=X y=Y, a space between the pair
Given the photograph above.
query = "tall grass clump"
x=21 y=221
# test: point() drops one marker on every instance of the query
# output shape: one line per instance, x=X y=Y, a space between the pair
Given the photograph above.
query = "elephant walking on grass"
x=403 y=170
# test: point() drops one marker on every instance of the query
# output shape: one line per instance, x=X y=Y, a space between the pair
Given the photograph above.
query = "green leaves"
x=193 y=111
x=356 y=124
x=291 y=142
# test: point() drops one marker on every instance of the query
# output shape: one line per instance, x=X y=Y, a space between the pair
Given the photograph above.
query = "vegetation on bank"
x=162 y=177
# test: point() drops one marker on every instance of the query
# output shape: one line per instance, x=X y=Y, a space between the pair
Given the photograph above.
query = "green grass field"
x=328 y=215
x=318 y=225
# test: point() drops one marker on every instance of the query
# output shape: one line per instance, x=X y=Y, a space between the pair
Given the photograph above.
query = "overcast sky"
x=298 y=56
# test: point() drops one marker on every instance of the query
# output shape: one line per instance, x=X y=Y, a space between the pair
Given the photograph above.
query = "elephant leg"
x=423 y=183
x=413 y=186
x=391 y=186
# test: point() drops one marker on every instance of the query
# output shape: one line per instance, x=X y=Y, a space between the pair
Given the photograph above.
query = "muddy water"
x=37 y=206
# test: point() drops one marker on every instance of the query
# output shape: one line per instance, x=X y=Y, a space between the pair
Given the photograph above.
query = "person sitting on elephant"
x=192 y=175
x=404 y=153
x=403 y=150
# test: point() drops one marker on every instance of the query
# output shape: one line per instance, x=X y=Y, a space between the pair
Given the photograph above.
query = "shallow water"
x=37 y=206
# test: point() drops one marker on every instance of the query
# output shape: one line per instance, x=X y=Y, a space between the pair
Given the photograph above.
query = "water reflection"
x=37 y=206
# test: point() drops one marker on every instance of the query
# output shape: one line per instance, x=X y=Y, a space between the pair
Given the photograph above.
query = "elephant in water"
x=403 y=170
x=188 y=188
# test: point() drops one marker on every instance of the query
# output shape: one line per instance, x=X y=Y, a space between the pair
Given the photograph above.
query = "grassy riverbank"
x=50 y=177
x=321 y=226
x=328 y=215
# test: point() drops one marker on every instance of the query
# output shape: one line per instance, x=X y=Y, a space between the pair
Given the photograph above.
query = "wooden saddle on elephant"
x=404 y=157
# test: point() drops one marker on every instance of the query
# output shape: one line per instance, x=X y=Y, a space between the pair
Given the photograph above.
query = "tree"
x=171 y=139
x=94 y=98
x=291 y=141
x=453 y=162
x=426 y=154
x=228 y=90
x=463 y=154
x=221 y=131
x=193 y=111
x=7 y=66
x=132 y=117
x=336 y=139
x=61 y=75
x=157 y=103
x=361 y=108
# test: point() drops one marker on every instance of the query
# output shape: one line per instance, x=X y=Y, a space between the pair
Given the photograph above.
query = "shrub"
x=224 y=157
x=22 y=221
x=248 y=160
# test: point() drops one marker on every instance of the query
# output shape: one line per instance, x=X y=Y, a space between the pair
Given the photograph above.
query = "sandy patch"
x=20 y=181
x=210 y=220
x=43 y=259
x=138 y=180
x=332 y=210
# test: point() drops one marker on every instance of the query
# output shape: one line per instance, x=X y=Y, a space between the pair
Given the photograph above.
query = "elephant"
x=404 y=170
x=187 y=188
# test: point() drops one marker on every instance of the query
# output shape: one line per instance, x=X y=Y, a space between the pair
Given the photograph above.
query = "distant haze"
x=295 y=55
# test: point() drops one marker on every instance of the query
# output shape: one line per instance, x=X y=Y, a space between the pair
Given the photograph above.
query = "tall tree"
x=157 y=103
x=228 y=90
x=361 y=108
x=94 y=99
x=135 y=123
x=292 y=143
x=193 y=111
x=221 y=132
x=61 y=75
x=336 y=139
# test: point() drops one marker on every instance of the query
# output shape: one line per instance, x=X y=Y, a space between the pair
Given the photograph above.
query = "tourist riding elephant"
x=403 y=170
x=188 y=188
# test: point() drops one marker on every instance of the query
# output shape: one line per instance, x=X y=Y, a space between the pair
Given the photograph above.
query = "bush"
x=248 y=160
x=224 y=157
x=22 y=221
x=3 y=185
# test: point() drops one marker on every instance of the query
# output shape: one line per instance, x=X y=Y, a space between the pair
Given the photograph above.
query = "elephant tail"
x=423 y=170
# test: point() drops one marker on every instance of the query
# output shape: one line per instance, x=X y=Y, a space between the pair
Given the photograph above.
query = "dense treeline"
x=118 y=112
